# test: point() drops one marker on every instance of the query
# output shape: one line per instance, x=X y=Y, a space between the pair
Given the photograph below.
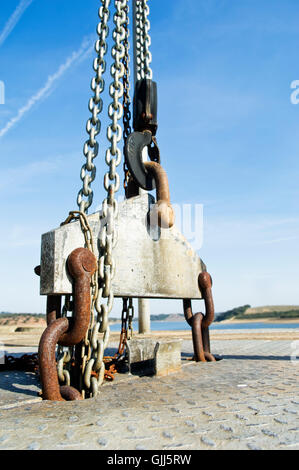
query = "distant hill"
x=19 y=315
x=271 y=309
x=246 y=312
x=8 y=319
x=168 y=317
x=235 y=312
x=20 y=319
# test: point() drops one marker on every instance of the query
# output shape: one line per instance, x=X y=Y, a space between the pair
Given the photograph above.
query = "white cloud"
x=14 y=19
x=45 y=91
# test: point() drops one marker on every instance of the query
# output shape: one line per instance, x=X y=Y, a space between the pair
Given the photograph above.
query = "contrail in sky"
x=14 y=19
x=76 y=56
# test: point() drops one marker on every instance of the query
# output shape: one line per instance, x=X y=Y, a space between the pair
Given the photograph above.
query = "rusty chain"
x=127 y=317
x=26 y=362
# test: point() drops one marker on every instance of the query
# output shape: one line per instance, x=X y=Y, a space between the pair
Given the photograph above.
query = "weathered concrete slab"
x=249 y=400
x=157 y=263
x=148 y=356
x=168 y=357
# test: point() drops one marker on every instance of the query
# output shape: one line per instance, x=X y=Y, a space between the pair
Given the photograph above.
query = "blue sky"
x=228 y=134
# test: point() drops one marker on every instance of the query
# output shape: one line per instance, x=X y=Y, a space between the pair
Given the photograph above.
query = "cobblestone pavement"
x=249 y=400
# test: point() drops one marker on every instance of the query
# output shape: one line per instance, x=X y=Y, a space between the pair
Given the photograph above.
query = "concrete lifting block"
x=150 y=262
x=168 y=357
x=150 y=357
x=141 y=353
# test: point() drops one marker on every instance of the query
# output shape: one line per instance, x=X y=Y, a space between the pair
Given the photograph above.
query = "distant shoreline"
x=259 y=320
x=39 y=320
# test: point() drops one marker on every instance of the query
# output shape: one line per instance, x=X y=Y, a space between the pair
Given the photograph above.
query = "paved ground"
x=249 y=400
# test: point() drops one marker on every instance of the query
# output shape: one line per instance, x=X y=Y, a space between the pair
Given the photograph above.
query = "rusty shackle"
x=200 y=323
x=162 y=212
x=205 y=285
x=82 y=265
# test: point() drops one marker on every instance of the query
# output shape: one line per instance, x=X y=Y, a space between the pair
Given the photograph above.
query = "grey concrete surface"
x=249 y=400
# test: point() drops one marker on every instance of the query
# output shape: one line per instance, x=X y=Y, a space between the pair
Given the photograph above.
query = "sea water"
x=178 y=325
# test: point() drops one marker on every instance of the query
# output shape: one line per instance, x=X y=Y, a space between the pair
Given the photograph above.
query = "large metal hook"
x=135 y=144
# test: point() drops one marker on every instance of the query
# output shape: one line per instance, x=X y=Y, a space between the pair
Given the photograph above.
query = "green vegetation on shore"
x=167 y=317
x=247 y=313
x=235 y=312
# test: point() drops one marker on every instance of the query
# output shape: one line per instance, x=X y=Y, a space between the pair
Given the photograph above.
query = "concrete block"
x=150 y=263
x=151 y=357
x=141 y=354
x=168 y=357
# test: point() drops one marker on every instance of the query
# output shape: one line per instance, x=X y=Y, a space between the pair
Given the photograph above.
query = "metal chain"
x=95 y=367
x=126 y=98
x=92 y=348
x=143 y=40
x=93 y=126
x=139 y=40
x=124 y=322
x=127 y=317
x=64 y=355
x=130 y=319
x=146 y=40
x=126 y=79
